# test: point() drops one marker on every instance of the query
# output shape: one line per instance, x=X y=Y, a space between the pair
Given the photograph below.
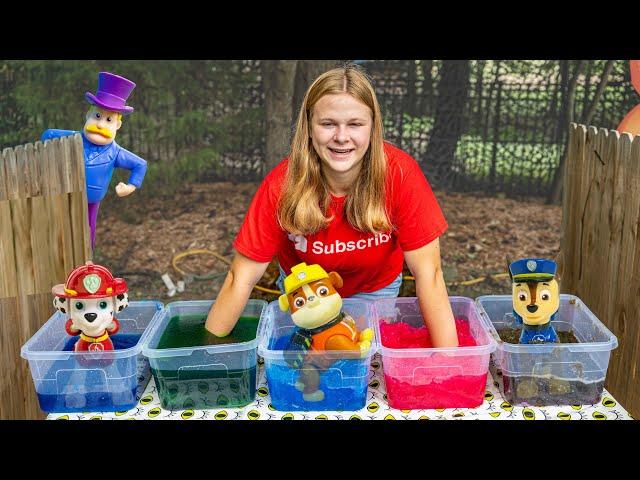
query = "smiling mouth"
x=341 y=151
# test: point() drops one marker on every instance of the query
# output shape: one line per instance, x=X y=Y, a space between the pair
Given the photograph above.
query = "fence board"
x=63 y=154
x=78 y=204
x=52 y=177
x=21 y=221
x=77 y=164
x=8 y=282
x=61 y=262
x=33 y=171
x=4 y=193
x=80 y=227
x=572 y=196
x=11 y=389
x=22 y=175
x=42 y=249
x=11 y=173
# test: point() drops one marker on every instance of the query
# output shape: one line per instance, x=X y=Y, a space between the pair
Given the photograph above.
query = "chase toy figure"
x=101 y=153
x=536 y=298
x=90 y=297
x=316 y=309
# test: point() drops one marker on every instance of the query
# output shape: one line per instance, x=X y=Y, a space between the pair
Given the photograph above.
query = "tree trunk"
x=426 y=98
x=277 y=81
x=411 y=98
x=449 y=123
x=306 y=72
x=604 y=80
x=558 y=177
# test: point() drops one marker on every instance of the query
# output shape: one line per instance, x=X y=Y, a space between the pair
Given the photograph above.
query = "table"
x=494 y=407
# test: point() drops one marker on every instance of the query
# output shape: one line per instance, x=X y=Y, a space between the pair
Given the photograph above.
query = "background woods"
x=497 y=126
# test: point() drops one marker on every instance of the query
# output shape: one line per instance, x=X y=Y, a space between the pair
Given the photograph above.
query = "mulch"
x=138 y=236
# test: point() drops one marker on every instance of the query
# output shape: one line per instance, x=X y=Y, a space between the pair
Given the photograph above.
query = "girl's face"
x=341 y=131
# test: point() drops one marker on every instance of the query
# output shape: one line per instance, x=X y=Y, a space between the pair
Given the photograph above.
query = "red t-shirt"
x=365 y=262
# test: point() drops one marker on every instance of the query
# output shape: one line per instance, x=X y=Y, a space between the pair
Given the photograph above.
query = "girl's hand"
x=431 y=290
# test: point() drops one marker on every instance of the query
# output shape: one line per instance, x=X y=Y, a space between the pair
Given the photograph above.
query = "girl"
x=346 y=200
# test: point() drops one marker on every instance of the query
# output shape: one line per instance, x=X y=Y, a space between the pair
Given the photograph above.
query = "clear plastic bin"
x=107 y=381
x=202 y=376
x=343 y=380
x=419 y=378
x=550 y=374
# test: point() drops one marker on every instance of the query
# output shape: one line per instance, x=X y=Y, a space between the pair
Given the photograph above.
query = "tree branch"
x=604 y=80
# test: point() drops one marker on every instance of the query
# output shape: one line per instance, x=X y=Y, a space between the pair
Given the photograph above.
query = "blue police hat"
x=533 y=270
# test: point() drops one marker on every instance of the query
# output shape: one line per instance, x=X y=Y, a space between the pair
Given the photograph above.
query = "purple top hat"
x=112 y=93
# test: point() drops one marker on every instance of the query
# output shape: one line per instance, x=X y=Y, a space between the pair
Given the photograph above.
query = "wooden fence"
x=44 y=234
x=600 y=245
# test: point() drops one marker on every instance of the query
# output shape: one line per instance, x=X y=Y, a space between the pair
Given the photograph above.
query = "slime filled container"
x=344 y=380
x=420 y=378
x=106 y=381
x=555 y=373
x=195 y=369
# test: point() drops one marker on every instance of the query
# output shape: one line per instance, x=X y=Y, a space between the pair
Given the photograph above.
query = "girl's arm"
x=243 y=274
x=424 y=263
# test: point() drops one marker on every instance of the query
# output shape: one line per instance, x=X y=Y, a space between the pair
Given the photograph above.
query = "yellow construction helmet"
x=302 y=274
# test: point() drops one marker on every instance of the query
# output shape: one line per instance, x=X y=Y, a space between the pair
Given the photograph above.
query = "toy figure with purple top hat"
x=101 y=153
x=536 y=298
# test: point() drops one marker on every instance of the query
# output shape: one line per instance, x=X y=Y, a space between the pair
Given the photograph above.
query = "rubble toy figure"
x=90 y=297
x=101 y=153
x=536 y=298
x=316 y=309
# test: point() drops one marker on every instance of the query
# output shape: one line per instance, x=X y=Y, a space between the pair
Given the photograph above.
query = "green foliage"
x=186 y=112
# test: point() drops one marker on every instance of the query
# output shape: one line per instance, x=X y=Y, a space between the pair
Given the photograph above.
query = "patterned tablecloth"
x=494 y=407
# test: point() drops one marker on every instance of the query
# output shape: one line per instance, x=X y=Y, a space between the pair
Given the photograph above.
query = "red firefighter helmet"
x=90 y=281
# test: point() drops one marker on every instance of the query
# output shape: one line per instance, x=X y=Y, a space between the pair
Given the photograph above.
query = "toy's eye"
x=97 y=115
x=522 y=296
x=102 y=305
x=322 y=291
x=108 y=119
x=545 y=294
x=79 y=305
x=299 y=302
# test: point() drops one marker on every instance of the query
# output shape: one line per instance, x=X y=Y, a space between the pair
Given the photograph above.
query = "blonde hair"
x=305 y=196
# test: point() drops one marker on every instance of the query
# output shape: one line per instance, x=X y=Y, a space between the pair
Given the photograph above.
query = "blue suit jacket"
x=100 y=161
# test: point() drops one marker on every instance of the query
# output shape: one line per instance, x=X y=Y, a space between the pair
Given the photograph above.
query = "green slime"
x=189 y=331
x=199 y=388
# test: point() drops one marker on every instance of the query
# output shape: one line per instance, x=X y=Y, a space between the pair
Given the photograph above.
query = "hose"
x=466 y=283
x=202 y=251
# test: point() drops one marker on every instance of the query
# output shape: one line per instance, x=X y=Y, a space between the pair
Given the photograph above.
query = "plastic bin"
x=68 y=381
x=419 y=378
x=202 y=377
x=550 y=374
x=345 y=380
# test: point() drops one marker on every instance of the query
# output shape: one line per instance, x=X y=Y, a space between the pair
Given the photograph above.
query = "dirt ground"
x=138 y=236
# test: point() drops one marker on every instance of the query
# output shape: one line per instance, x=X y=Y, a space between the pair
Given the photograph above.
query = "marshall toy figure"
x=316 y=309
x=536 y=298
x=90 y=297
x=101 y=153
